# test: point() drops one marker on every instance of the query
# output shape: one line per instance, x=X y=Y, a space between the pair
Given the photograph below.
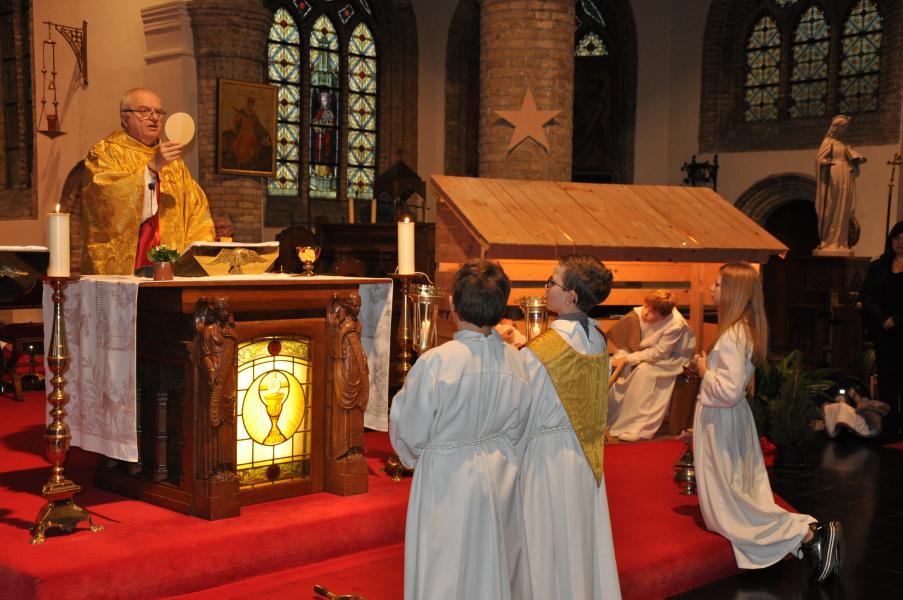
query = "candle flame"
x=57 y=207
x=407 y=219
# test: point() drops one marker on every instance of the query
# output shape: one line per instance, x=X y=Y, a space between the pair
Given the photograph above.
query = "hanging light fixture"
x=49 y=122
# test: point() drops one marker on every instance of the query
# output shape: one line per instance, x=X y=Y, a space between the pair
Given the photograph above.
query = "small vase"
x=162 y=271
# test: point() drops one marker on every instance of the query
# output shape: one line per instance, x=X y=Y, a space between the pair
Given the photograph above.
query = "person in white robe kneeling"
x=568 y=528
x=456 y=420
x=735 y=496
x=639 y=399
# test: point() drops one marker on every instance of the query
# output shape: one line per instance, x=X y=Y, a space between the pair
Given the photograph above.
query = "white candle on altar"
x=405 y=247
x=350 y=209
x=58 y=242
x=373 y=210
x=425 y=333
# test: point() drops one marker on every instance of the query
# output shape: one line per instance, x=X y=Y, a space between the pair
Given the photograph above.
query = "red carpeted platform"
x=895 y=446
x=352 y=544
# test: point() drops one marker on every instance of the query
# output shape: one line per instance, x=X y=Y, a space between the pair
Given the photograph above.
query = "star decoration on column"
x=528 y=122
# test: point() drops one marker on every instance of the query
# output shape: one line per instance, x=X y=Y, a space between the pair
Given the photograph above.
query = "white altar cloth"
x=100 y=318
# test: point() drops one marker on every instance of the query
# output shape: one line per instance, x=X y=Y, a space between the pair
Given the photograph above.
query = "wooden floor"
x=857 y=482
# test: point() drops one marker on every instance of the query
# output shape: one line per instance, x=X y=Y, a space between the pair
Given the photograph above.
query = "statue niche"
x=217 y=343
x=346 y=467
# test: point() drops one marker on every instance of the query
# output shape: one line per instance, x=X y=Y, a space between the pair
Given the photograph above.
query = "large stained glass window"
x=809 y=79
x=763 y=70
x=361 y=112
x=860 y=67
x=323 y=58
x=273 y=428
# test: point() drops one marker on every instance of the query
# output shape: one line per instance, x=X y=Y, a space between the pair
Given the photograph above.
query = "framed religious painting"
x=245 y=128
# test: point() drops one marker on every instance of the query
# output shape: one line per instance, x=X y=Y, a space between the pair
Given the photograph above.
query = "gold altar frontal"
x=247 y=392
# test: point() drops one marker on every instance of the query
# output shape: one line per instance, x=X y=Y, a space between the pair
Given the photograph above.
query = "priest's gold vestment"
x=113 y=201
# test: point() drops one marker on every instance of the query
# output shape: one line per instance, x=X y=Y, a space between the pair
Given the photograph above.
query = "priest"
x=138 y=193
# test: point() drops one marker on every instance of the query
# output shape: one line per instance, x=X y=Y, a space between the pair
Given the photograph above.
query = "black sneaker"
x=824 y=554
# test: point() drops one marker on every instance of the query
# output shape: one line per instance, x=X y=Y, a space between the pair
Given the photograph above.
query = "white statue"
x=837 y=167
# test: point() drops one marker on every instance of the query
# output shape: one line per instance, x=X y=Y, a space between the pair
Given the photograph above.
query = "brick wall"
x=526 y=43
x=722 y=127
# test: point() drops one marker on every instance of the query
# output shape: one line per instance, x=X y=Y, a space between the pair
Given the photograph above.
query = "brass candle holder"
x=536 y=316
x=61 y=511
x=685 y=472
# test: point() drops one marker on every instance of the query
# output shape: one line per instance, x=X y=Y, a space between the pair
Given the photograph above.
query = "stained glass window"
x=859 y=67
x=763 y=62
x=324 y=103
x=327 y=94
x=361 y=112
x=591 y=45
x=284 y=71
x=809 y=77
x=273 y=428
x=784 y=3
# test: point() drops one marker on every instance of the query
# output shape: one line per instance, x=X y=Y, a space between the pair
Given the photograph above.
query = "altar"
x=208 y=393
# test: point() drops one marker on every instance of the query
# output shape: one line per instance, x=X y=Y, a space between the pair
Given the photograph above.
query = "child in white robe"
x=734 y=492
x=463 y=407
x=567 y=524
x=639 y=399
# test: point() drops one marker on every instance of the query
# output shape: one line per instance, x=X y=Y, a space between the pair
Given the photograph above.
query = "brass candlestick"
x=61 y=510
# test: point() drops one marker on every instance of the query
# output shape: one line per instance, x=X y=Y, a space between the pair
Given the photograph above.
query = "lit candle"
x=425 y=334
x=350 y=209
x=535 y=330
x=58 y=242
x=373 y=210
x=405 y=247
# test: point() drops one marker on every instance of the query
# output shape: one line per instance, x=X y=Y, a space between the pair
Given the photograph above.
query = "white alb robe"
x=567 y=524
x=640 y=398
x=734 y=493
x=463 y=407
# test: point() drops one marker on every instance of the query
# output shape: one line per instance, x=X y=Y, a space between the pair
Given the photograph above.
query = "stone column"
x=526 y=43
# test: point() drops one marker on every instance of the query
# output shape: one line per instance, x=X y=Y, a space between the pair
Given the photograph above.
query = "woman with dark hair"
x=882 y=312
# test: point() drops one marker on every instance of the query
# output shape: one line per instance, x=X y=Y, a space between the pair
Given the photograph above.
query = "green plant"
x=784 y=405
x=162 y=254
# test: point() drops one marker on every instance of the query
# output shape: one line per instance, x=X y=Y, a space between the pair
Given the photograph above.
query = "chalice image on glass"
x=273 y=391
x=308 y=256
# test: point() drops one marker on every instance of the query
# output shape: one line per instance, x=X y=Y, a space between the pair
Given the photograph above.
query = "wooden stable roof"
x=510 y=218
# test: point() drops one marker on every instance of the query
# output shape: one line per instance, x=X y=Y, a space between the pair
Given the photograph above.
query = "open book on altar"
x=226 y=258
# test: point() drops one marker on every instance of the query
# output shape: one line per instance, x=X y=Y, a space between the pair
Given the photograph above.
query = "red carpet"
x=349 y=545
x=895 y=445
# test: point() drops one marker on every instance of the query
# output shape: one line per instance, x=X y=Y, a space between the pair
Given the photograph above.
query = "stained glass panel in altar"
x=273 y=428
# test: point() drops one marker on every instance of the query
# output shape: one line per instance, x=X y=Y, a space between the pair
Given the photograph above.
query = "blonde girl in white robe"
x=463 y=407
x=567 y=524
x=734 y=492
x=640 y=398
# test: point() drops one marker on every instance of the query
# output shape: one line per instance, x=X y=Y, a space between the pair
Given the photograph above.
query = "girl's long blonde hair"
x=742 y=302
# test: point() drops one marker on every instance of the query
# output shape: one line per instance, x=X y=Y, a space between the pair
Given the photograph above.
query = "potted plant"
x=784 y=405
x=162 y=258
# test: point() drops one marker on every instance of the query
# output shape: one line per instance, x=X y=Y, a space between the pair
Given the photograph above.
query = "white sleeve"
x=662 y=348
x=724 y=383
x=412 y=413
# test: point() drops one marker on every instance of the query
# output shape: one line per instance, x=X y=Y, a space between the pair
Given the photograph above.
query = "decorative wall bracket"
x=78 y=41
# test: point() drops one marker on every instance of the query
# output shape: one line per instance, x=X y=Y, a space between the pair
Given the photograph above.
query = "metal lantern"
x=685 y=473
x=425 y=301
x=536 y=315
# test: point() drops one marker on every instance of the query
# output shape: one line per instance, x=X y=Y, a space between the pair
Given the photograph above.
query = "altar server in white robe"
x=639 y=399
x=568 y=528
x=734 y=493
x=462 y=409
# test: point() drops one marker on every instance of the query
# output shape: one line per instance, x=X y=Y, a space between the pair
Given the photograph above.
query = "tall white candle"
x=405 y=247
x=350 y=209
x=58 y=242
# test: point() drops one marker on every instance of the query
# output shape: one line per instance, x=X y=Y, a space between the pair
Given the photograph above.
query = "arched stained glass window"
x=809 y=77
x=284 y=71
x=322 y=57
x=859 y=67
x=361 y=112
x=763 y=70
x=324 y=103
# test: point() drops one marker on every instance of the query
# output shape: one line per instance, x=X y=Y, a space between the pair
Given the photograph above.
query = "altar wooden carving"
x=346 y=471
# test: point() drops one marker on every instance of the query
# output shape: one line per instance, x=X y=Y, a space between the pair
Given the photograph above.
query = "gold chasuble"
x=581 y=382
x=113 y=201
